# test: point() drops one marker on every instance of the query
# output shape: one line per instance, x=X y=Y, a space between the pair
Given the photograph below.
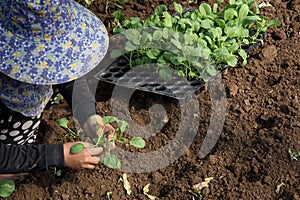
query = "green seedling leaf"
x=58 y=98
x=112 y=161
x=129 y=46
x=178 y=8
x=109 y=119
x=77 y=148
x=157 y=35
x=243 y=12
x=207 y=23
x=273 y=23
x=232 y=2
x=137 y=142
x=167 y=22
x=205 y=9
x=243 y=54
x=122 y=140
x=159 y=10
x=118 y=15
x=232 y=60
x=63 y=122
x=126 y=184
x=7 y=187
x=229 y=14
x=215 y=8
x=122 y=125
x=153 y=53
x=146 y=190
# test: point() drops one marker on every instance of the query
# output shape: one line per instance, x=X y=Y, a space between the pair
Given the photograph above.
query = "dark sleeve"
x=80 y=99
x=30 y=158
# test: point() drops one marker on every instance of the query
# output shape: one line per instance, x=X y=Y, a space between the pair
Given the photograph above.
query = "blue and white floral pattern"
x=25 y=98
x=49 y=42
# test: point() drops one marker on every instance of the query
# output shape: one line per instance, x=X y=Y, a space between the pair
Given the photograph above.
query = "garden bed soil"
x=250 y=160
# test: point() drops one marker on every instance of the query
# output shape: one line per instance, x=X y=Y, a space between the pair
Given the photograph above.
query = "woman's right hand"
x=86 y=159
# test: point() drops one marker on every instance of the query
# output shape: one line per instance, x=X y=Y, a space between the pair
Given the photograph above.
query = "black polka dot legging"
x=16 y=128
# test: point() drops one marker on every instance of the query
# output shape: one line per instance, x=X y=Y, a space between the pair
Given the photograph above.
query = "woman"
x=45 y=46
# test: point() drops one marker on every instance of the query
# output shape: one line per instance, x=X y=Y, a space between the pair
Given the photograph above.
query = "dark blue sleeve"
x=30 y=158
x=80 y=99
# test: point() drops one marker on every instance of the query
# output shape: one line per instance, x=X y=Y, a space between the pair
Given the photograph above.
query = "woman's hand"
x=86 y=159
x=94 y=124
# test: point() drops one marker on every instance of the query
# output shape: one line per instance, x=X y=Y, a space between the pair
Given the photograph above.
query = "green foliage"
x=137 y=142
x=64 y=122
x=193 y=42
x=58 y=99
x=77 y=148
x=7 y=187
x=111 y=160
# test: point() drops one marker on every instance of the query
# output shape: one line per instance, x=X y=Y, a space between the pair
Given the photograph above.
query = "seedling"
x=110 y=159
x=64 y=122
x=77 y=148
x=294 y=154
x=58 y=98
x=189 y=41
x=56 y=172
x=7 y=187
x=116 y=3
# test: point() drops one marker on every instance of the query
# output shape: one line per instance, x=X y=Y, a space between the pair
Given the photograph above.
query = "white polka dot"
x=36 y=125
x=18 y=138
x=25 y=131
x=17 y=124
x=21 y=142
x=30 y=141
x=9 y=118
x=4 y=131
x=2 y=121
x=27 y=124
x=2 y=137
x=14 y=133
x=31 y=133
x=38 y=116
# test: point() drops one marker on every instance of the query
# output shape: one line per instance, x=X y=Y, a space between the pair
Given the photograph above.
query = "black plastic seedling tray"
x=145 y=79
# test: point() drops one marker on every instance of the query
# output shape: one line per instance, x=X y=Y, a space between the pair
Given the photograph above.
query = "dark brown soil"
x=250 y=160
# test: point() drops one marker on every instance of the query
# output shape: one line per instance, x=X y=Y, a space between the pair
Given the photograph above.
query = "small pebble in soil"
x=267 y=180
x=212 y=159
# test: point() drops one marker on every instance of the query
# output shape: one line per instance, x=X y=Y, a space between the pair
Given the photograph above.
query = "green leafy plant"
x=64 y=122
x=193 y=42
x=7 y=187
x=77 y=148
x=58 y=99
x=116 y=3
x=111 y=160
